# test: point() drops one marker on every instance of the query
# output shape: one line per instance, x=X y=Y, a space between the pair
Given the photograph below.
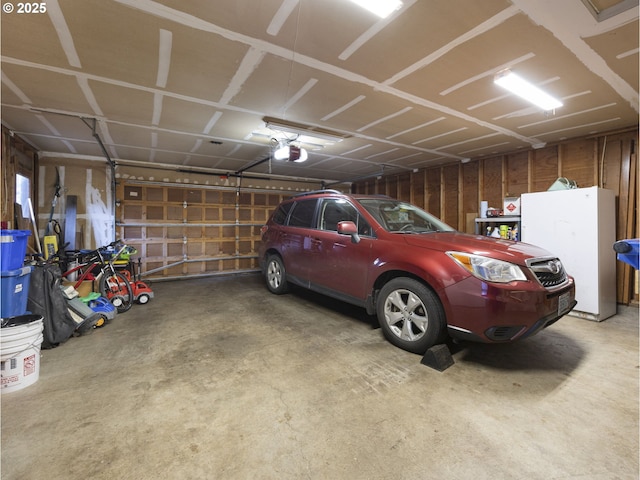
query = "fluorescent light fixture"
x=291 y=153
x=382 y=8
x=268 y=136
x=327 y=136
x=519 y=86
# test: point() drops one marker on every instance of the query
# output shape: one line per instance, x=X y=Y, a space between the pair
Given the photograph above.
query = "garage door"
x=184 y=231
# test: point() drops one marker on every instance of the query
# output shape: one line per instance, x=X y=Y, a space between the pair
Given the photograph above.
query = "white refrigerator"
x=579 y=227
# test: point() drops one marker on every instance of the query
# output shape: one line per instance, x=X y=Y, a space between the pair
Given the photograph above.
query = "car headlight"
x=488 y=269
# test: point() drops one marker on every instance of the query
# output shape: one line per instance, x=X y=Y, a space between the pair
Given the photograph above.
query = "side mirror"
x=349 y=228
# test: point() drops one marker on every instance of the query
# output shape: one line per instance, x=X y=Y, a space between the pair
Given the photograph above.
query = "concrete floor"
x=218 y=379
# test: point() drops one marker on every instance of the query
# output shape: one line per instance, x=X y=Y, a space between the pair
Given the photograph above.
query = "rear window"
x=303 y=213
x=280 y=215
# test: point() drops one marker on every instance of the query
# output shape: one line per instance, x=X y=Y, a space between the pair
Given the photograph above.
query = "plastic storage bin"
x=14 y=292
x=628 y=251
x=13 y=248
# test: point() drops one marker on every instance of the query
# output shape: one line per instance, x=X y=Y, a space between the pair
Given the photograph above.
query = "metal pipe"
x=160 y=224
x=111 y=163
x=254 y=164
x=204 y=275
x=194 y=260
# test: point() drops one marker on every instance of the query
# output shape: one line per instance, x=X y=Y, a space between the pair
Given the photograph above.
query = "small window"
x=303 y=213
x=23 y=190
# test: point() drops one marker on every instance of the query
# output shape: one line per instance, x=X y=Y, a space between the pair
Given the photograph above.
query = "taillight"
x=263 y=230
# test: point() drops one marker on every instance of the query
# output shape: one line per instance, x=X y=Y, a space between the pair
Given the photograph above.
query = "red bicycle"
x=93 y=265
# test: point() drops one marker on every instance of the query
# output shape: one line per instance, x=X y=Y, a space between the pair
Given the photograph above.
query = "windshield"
x=397 y=216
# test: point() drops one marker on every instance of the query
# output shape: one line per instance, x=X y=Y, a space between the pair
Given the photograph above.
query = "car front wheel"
x=275 y=275
x=410 y=315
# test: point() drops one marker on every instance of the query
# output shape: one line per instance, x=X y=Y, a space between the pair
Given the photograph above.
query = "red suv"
x=422 y=278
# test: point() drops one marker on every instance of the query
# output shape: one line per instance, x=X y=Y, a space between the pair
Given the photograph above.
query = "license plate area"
x=564 y=303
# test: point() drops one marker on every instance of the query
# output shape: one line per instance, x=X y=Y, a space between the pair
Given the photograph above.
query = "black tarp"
x=47 y=299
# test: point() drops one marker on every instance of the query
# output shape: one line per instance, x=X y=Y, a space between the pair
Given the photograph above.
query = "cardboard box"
x=511 y=206
x=84 y=289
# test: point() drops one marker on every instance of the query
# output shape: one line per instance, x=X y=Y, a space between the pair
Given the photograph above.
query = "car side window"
x=334 y=210
x=303 y=213
x=280 y=215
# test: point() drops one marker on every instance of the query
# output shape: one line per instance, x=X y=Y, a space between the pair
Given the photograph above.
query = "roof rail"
x=315 y=192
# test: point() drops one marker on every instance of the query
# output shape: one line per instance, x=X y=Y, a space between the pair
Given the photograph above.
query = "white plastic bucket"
x=20 y=344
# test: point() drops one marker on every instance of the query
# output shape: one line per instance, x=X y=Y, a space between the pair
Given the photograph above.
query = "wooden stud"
x=461 y=216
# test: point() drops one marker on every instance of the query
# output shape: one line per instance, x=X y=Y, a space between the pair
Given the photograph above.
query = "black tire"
x=410 y=315
x=275 y=275
x=117 y=289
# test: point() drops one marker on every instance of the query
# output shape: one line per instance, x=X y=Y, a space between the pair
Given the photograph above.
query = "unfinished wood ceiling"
x=189 y=84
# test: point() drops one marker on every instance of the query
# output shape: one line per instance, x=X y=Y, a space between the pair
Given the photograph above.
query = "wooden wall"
x=454 y=192
x=18 y=157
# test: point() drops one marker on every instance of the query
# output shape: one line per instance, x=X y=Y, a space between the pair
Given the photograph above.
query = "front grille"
x=549 y=271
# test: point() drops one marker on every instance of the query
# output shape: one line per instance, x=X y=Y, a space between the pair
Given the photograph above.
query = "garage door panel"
x=154 y=233
x=175 y=195
x=194 y=232
x=211 y=214
x=154 y=250
x=174 y=213
x=174 y=232
x=133 y=211
x=194 y=214
x=133 y=232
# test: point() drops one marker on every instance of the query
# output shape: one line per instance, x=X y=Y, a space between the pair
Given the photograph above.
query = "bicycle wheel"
x=117 y=289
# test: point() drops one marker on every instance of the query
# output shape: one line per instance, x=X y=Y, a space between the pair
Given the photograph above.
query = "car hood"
x=515 y=252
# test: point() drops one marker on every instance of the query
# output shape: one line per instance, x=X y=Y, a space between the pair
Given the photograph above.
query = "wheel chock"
x=438 y=357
